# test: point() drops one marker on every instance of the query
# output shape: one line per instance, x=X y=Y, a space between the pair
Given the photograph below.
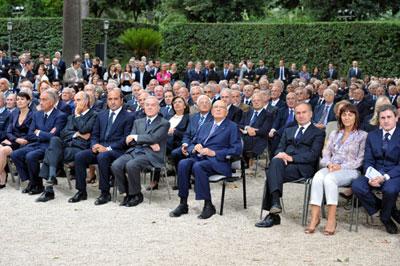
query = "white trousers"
x=330 y=182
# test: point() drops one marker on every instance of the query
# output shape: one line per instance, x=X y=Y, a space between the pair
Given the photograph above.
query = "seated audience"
x=209 y=152
x=296 y=156
x=382 y=153
x=342 y=155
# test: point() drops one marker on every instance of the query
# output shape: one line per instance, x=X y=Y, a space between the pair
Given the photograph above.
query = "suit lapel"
x=116 y=122
x=394 y=139
x=150 y=127
x=219 y=129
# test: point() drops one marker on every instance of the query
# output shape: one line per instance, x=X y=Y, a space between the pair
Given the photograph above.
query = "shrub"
x=141 y=41
x=376 y=45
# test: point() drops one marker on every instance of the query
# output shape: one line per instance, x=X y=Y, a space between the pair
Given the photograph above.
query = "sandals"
x=310 y=230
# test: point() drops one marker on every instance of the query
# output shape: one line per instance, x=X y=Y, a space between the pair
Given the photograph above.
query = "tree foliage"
x=141 y=41
x=32 y=8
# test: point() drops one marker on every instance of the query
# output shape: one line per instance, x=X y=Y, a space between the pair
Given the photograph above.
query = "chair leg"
x=255 y=170
x=244 y=192
x=67 y=171
x=303 y=216
x=114 y=192
x=262 y=200
x=352 y=213
x=151 y=181
x=167 y=181
x=306 y=203
x=222 y=198
x=357 y=214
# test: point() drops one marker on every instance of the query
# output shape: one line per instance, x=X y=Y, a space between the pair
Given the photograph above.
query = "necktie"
x=281 y=74
x=109 y=124
x=355 y=70
x=45 y=118
x=385 y=143
x=201 y=121
x=299 y=135
x=168 y=108
x=225 y=73
x=214 y=127
x=253 y=118
x=290 y=117
x=148 y=122
x=324 y=115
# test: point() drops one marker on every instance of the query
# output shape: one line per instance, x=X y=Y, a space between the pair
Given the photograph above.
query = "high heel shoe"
x=310 y=230
x=330 y=233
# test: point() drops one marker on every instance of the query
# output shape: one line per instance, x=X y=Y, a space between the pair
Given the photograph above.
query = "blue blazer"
x=175 y=140
x=319 y=110
x=167 y=115
x=192 y=128
x=13 y=130
x=64 y=107
x=388 y=163
x=120 y=129
x=225 y=141
x=57 y=120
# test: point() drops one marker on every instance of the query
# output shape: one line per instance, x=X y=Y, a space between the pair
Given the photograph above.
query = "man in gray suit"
x=147 y=142
x=74 y=74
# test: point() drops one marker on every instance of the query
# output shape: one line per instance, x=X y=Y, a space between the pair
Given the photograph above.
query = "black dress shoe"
x=2 y=186
x=207 y=212
x=275 y=208
x=103 y=199
x=135 y=200
x=180 y=210
x=125 y=200
x=390 y=226
x=269 y=221
x=78 y=197
x=36 y=190
x=45 y=197
x=396 y=216
x=52 y=181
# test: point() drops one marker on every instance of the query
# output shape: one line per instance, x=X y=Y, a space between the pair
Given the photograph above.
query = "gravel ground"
x=60 y=233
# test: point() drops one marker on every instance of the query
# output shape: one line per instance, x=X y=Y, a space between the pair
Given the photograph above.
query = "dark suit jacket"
x=286 y=73
x=64 y=107
x=119 y=130
x=155 y=133
x=263 y=123
x=225 y=141
x=352 y=73
x=234 y=114
x=229 y=75
x=4 y=120
x=334 y=74
x=196 y=76
x=14 y=130
x=175 y=140
x=250 y=75
x=261 y=72
x=293 y=74
x=57 y=120
x=82 y=124
x=385 y=163
x=364 y=109
x=165 y=114
x=319 y=110
x=307 y=151
x=51 y=73
x=279 y=105
x=280 y=120
x=193 y=127
x=146 y=78
x=212 y=75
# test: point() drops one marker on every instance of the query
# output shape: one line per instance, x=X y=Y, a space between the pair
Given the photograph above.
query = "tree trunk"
x=71 y=30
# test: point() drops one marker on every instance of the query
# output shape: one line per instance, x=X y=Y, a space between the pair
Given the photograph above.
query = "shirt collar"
x=116 y=112
x=218 y=124
x=49 y=112
x=151 y=118
x=390 y=132
x=305 y=126
x=83 y=113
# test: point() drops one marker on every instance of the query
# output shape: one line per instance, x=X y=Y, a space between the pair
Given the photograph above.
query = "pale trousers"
x=329 y=182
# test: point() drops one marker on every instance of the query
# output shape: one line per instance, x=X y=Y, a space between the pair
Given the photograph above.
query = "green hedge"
x=376 y=45
x=44 y=35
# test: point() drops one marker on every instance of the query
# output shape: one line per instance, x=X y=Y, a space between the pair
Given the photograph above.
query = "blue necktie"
x=385 y=143
x=290 y=117
x=214 y=127
x=253 y=118
x=45 y=119
x=148 y=122
x=201 y=121
x=299 y=135
x=109 y=124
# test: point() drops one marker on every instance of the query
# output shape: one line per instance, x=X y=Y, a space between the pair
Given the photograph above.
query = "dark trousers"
x=277 y=174
x=104 y=160
x=201 y=169
x=55 y=154
x=131 y=164
x=390 y=191
x=26 y=160
x=177 y=155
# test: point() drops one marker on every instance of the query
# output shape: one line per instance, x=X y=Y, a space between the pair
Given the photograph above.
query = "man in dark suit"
x=196 y=74
x=261 y=70
x=255 y=125
x=147 y=141
x=74 y=138
x=284 y=119
x=382 y=153
x=296 y=157
x=4 y=65
x=196 y=121
x=226 y=73
x=45 y=124
x=293 y=73
x=142 y=76
x=209 y=152
x=331 y=73
x=234 y=113
x=355 y=71
x=61 y=63
x=54 y=71
x=276 y=101
x=107 y=144
x=187 y=73
x=167 y=111
x=323 y=114
x=282 y=72
x=364 y=107
x=4 y=114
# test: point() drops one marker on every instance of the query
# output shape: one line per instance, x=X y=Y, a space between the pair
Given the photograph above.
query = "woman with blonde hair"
x=371 y=121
